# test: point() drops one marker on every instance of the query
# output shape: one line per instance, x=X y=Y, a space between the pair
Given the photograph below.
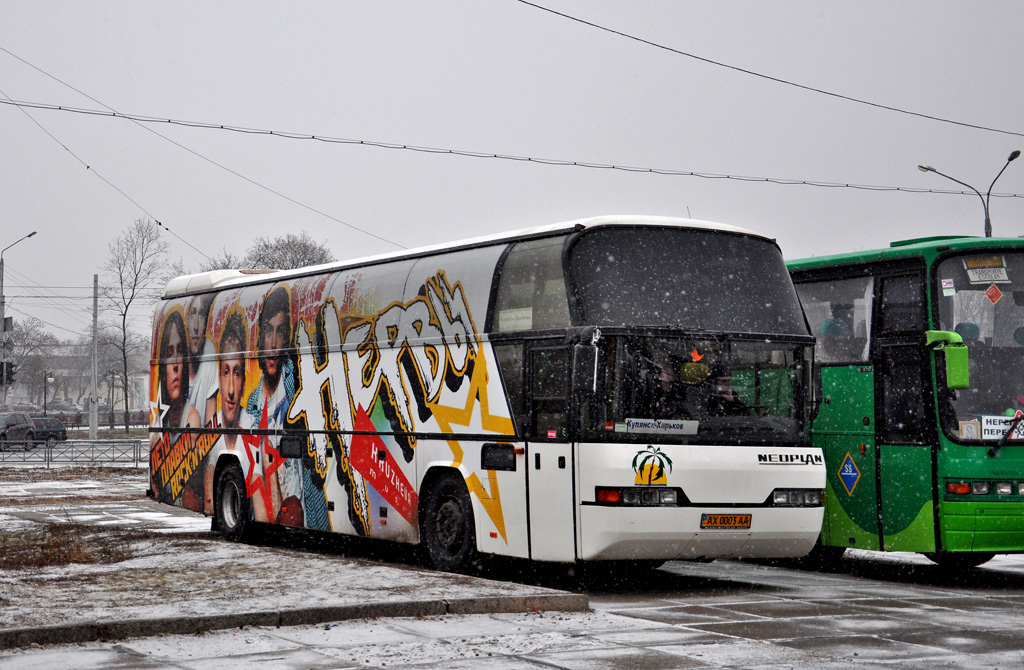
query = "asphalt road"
x=868 y=611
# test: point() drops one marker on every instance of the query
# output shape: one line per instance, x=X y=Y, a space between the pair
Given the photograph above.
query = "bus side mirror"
x=955 y=353
x=584 y=368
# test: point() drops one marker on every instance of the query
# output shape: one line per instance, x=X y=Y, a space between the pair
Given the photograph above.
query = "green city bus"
x=919 y=368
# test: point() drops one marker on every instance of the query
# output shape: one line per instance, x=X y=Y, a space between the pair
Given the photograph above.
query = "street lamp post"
x=47 y=379
x=988 y=194
x=3 y=322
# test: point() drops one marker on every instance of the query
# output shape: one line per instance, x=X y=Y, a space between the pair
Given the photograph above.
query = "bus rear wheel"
x=960 y=560
x=231 y=505
x=448 y=529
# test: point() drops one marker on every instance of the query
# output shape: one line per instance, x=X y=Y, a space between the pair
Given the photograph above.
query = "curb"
x=113 y=629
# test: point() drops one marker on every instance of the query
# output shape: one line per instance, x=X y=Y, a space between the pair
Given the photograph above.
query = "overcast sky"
x=491 y=76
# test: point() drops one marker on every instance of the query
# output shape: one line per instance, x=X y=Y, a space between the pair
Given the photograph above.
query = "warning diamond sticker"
x=993 y=294
x=849 y=475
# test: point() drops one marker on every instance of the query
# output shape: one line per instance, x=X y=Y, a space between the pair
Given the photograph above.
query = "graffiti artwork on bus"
x=357 y=386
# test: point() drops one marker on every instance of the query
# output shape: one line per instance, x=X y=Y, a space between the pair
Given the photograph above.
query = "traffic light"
x=7 y=372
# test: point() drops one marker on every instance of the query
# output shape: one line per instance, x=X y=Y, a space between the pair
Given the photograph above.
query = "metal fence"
x=134 y=453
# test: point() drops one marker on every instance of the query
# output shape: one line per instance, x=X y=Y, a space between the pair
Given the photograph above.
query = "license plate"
x=725 y=520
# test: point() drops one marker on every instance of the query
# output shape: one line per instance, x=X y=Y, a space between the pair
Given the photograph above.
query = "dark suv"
x=49 y=430
x=16 y=428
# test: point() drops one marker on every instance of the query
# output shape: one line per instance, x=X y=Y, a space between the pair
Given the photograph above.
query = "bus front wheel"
x=231 y=505
x=960 y=560
x=449 y=534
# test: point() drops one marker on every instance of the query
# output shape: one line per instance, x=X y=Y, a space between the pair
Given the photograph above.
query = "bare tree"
x=280 y=253
x=286 y=253
x=226 y=261
x=134 y=267
x=32 y=354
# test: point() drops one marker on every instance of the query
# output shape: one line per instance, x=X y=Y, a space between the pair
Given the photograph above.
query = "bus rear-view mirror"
x=955 y=354
x=584 y=367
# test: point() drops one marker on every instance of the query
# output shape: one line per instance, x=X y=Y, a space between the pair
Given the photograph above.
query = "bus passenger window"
x=510 y=363
x=839 y=311
x=531 y=288
x=902 y=304
x=549 y=386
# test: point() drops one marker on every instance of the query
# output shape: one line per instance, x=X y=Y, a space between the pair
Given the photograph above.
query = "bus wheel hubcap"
x=449 y=525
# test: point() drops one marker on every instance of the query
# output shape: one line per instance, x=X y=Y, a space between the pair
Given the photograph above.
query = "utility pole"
x=94 y=400
x=4 y=322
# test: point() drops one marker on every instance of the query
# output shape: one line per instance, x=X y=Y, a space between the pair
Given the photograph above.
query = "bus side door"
x=550 y=466
x=907 y=428
x=845 y=430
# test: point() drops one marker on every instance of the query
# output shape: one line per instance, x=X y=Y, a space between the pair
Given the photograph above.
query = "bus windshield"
x=981 y=297
x=698 y=391
x=699 y=280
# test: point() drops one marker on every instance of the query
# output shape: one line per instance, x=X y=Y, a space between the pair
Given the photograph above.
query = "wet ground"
x=894 y=610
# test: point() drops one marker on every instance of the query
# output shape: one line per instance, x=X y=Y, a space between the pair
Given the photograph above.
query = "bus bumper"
x=987 y=526
x=652 y=533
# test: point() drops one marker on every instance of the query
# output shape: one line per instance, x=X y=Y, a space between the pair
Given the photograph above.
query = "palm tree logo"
x=650 y=467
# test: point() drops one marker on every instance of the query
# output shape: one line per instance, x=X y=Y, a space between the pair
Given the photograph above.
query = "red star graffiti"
x=258 y=447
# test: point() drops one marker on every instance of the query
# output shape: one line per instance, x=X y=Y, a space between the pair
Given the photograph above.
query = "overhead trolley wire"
x=778 y=80
x=138 y=118
x=139 y=121
x=109 y=183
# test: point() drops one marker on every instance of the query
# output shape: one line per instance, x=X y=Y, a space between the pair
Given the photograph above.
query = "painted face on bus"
x=196 y=326
x=231 y=373
x=275 y=337
x=173 y=353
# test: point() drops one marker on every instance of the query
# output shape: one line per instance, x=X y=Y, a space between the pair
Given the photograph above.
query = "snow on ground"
x=177 y=574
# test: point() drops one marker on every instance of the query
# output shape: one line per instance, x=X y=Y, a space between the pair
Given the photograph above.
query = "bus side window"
x=839 y=313
x=548 y=390
x=905 y=420
x=902 y=307
x=510 y=363
x=531 y=288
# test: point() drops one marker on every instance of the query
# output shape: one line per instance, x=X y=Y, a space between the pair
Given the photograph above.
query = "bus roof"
x=218 y=279
x=924 y=246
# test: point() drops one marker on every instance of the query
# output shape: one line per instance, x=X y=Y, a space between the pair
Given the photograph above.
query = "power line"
x=484 y=154
x=777 y=80
x=69 y=307
x=101 y=177
x=208 y=160
x=51 y=325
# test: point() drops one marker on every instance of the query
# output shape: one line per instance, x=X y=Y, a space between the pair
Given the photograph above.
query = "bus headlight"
x=1004 y=488
x=980 y=488
x=638 y=496
x=796 y=498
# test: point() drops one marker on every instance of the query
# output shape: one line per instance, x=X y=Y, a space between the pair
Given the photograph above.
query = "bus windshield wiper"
x=1006 y=436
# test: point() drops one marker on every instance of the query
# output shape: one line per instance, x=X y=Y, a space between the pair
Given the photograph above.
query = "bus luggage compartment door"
x=552 y=503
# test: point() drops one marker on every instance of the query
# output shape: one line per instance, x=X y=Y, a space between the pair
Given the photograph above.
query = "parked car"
x=49 y=430
x=68 y=407
x=16 y=428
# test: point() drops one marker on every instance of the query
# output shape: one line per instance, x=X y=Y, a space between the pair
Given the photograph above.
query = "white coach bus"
x=626 y=388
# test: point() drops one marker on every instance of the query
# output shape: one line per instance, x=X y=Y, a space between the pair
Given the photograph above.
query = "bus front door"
x=845 y=430
x=550 y=466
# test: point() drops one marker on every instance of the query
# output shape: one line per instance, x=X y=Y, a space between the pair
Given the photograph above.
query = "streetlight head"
x=926 y=168
x=34 y=232
x=1014 y=155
